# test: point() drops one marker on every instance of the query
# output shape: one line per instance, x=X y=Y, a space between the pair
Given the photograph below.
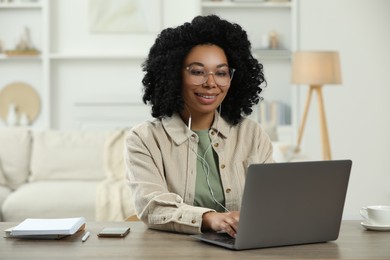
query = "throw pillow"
x=61 y=155
x=15 y=150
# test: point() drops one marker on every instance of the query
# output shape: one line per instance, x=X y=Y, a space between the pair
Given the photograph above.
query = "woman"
x=187 y=167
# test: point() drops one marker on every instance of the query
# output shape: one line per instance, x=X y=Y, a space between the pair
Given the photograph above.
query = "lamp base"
x=326 y=153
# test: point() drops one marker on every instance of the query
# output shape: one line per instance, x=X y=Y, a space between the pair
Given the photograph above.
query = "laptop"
x=289 y=204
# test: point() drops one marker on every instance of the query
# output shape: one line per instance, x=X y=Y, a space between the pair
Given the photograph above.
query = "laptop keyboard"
x=227 y=240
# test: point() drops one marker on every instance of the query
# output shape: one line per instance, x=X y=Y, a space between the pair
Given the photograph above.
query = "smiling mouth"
x=205 y=96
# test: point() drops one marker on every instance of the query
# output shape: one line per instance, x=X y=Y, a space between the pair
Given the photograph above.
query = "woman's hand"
x=226 y=222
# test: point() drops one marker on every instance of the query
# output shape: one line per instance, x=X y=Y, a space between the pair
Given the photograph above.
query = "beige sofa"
x=63 y=174
x=45 y=174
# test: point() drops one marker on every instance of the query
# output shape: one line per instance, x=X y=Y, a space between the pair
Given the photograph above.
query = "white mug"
x=376 y=215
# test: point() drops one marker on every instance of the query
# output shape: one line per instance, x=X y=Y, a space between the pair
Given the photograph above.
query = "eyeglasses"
x=198 y=75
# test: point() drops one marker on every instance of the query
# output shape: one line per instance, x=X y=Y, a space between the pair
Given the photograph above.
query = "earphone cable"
x=205 y=165
x=206 y=169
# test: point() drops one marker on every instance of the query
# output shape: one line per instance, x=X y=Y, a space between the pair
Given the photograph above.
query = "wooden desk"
x=354 y=243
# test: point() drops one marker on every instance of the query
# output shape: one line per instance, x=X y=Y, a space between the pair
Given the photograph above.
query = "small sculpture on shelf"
x=23 y=119
x=24 y=46
x=270 y=40
x=273 y=38
x=16 y=117
x=12 y=115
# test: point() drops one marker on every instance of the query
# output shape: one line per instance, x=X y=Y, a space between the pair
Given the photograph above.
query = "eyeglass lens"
x=199 y=75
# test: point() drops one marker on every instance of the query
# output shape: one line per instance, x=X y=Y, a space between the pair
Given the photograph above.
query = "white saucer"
x=376 y=227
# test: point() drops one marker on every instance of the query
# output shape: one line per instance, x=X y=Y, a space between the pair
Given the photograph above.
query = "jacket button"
x=216 y=144
x=212 y=133
x=193 y=221
x=228 y=190
x=223 y=166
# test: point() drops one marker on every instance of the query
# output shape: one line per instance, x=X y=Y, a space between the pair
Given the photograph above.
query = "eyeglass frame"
x=206 y=76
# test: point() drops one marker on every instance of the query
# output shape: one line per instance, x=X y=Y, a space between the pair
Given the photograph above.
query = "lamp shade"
x=316 y=68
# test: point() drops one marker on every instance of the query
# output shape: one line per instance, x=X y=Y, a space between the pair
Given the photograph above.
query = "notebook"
x=46 y=228
x=289 y=204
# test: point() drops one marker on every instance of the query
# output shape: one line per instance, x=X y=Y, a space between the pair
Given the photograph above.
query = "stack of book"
x=57 y=228
x=274 y=113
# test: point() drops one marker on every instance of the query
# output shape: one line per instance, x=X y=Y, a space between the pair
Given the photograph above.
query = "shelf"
x=56 y=56
x=104 y=103
x=37 y=5
x=272 y=54
x=228 y=4
x=20 y=57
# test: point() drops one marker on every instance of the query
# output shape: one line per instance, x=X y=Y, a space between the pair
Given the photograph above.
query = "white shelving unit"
x=92 y=80
x=30 y=69
x=258 y=19
x=81 y=82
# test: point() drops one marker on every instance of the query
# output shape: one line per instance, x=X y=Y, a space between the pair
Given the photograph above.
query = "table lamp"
x=316 y=68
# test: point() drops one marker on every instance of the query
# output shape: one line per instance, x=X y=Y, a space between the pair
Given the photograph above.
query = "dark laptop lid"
x=292 y=203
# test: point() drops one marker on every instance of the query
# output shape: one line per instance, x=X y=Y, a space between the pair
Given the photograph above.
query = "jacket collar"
x=179 y=132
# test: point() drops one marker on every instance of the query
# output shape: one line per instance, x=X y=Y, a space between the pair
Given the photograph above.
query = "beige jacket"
x=161 y=164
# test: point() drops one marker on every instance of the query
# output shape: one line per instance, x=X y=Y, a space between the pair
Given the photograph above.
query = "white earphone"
x=189 y=122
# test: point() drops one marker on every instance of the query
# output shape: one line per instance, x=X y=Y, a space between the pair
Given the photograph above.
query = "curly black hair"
x=163 y=78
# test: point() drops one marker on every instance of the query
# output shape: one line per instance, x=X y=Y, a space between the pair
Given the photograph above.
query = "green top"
x=207 y=164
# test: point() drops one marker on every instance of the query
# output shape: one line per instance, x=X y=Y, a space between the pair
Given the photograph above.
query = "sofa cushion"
x=4 y=192
x=271 y=130
x=3 y=181
x=15 y=152
x=58 y=155
x=51 y=199
x=114 y=155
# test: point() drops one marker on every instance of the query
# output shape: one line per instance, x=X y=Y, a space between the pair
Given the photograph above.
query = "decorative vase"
x=12 y=115
x=24 y=120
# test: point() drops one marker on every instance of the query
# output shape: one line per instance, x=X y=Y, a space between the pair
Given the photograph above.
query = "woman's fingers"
x=226 y=227
x=226 y=222
x=231 y=224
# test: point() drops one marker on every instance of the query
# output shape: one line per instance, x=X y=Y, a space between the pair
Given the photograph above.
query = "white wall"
x=357 y=110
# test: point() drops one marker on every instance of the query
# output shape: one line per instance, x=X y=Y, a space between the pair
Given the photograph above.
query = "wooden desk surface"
x=354 y=242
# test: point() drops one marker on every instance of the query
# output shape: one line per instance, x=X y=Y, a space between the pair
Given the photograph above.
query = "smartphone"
x=114 y=232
